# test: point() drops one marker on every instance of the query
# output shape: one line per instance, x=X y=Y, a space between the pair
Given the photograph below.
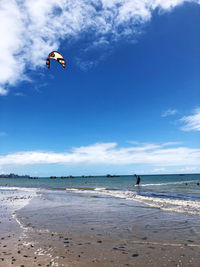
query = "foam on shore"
x=168 y=204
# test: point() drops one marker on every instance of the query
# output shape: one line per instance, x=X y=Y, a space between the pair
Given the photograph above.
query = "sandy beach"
x=65 y=229
x=60 y=250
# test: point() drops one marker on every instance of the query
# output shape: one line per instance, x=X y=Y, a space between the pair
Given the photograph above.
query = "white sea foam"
x=26 y=189
x=175 y=205
x=170 y=183
x=13 y=199
x=16 y=198
x=185 y=206
x=100 y=189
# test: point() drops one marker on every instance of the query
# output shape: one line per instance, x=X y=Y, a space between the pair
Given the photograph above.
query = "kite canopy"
x=57 y=56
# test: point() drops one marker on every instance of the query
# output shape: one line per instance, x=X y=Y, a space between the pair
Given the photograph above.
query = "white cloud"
x=19 y=94
x=109 y=154
x=192 y=122
x=169 y=112
x=32 y=28
x=171 y=144
x=144 y=146
x=3 y=91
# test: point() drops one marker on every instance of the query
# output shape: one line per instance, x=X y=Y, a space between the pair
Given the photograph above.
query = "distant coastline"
x=12 y=175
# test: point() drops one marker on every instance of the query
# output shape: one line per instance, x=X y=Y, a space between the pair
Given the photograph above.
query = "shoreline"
x=118 y=233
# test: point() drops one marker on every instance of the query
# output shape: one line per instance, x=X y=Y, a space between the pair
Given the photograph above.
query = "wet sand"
x=45 y=249
x=90 y=231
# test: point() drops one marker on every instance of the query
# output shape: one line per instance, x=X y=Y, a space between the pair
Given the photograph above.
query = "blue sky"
x=125 y=102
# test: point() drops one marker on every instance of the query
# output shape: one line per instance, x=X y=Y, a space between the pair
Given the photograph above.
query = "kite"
x=57 y=56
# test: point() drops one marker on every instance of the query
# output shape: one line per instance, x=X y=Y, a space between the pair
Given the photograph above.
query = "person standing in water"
x=138 y=179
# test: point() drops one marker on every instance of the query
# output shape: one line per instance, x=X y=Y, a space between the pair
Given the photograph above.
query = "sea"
x=162 y=209
x=176 y=193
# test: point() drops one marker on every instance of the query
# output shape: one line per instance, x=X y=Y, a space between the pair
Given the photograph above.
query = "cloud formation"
x=192 y=122
x=169 y=112
x=167 y=154
x=32 y=28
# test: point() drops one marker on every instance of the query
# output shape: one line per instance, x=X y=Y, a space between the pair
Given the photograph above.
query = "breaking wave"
x=172 y=203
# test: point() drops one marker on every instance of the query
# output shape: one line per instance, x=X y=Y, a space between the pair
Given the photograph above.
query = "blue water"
x=179 y=193
x=122 y=182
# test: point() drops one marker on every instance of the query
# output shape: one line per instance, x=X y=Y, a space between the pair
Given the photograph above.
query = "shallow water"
x=179 y=193
x=162 y=211
x=91 y=215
